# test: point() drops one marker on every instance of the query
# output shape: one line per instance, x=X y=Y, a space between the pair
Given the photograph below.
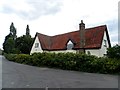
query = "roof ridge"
x=96 y=27
x=64 y=33
x=71 y=31
x=44 y=34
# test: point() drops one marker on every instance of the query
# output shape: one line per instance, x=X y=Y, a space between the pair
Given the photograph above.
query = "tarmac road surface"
x=16 y=75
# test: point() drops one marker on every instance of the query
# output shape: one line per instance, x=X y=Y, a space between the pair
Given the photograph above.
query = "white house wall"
x=64 y=51
x=103 y=50
x=95 y=52
x=38 y=49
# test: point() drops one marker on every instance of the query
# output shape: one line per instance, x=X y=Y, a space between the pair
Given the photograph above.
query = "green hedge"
x=69 y=61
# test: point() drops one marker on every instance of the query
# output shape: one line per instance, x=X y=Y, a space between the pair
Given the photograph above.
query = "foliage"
x=27 y=30
x=69 y=61
x=13 y=31
x=24 y=44
x=114 y=52
x=9 y=43
x=15 y=45
x=0 y=52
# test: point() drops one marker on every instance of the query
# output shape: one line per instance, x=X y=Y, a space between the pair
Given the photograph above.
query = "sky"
x=52 y=17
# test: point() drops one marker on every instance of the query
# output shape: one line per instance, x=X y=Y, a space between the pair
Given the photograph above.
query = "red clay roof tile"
x=93 y=39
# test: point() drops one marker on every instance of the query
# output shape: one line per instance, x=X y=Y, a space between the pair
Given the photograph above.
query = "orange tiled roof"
x=93 y=39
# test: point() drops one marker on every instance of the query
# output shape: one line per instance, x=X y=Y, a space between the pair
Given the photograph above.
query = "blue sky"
x=53 y=17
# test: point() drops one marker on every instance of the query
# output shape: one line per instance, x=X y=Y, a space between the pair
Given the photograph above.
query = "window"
x=104 y=55
x=70 y=45
x=36 y=45
x=105 y=43
x=89 y=53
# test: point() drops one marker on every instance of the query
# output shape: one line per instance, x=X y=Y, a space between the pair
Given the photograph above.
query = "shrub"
x=10 y=57
x=69 y=61
x=114 y=52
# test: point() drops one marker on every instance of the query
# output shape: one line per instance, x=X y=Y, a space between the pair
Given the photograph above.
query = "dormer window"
x=70 y=45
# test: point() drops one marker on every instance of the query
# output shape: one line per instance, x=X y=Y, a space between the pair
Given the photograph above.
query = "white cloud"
x=31 y=9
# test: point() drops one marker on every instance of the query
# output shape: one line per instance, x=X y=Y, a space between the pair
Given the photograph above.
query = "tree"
x=114 y=52
x=24 y=44
x=27 y=30
x=13 y=31
x=0 y=52
x=9 y=43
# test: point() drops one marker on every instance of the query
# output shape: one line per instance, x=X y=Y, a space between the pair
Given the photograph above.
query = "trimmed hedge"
x=69 y=61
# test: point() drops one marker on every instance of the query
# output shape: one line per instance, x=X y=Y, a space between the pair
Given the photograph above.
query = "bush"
x=114 y=52
x=69 y=61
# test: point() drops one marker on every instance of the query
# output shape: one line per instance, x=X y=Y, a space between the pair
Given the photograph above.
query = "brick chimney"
x=82 y=34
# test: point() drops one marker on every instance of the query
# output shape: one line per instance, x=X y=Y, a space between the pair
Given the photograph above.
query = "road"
x=16 y=75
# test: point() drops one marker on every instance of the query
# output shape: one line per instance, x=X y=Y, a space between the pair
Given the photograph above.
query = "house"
x=94 y=41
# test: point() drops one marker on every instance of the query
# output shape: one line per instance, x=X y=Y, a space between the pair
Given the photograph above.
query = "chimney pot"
x=81 y=25
x=81 y=21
